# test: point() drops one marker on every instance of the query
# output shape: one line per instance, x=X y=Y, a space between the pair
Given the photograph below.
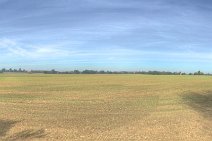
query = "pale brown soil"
x=105 y=107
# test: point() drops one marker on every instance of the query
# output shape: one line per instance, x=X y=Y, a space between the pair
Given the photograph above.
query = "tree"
x=76 y=72
x=53 y=71
x=198 y=73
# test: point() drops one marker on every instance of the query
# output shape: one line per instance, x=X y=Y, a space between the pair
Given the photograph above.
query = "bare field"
x=105 y=107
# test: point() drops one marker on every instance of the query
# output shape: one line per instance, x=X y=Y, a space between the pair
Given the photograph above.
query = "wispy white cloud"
x=6 y=43
x=16 y=48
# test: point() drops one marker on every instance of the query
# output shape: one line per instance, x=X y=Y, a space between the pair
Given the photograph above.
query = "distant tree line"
x=53 y=71
x=13 y=70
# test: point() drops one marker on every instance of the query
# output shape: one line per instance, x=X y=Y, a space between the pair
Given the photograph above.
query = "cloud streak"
x=15 y=48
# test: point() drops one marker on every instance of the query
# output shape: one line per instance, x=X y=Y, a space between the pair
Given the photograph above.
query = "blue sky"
x=165 y=35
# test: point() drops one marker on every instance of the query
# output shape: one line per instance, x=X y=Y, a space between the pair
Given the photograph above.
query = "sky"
x=132 y=35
